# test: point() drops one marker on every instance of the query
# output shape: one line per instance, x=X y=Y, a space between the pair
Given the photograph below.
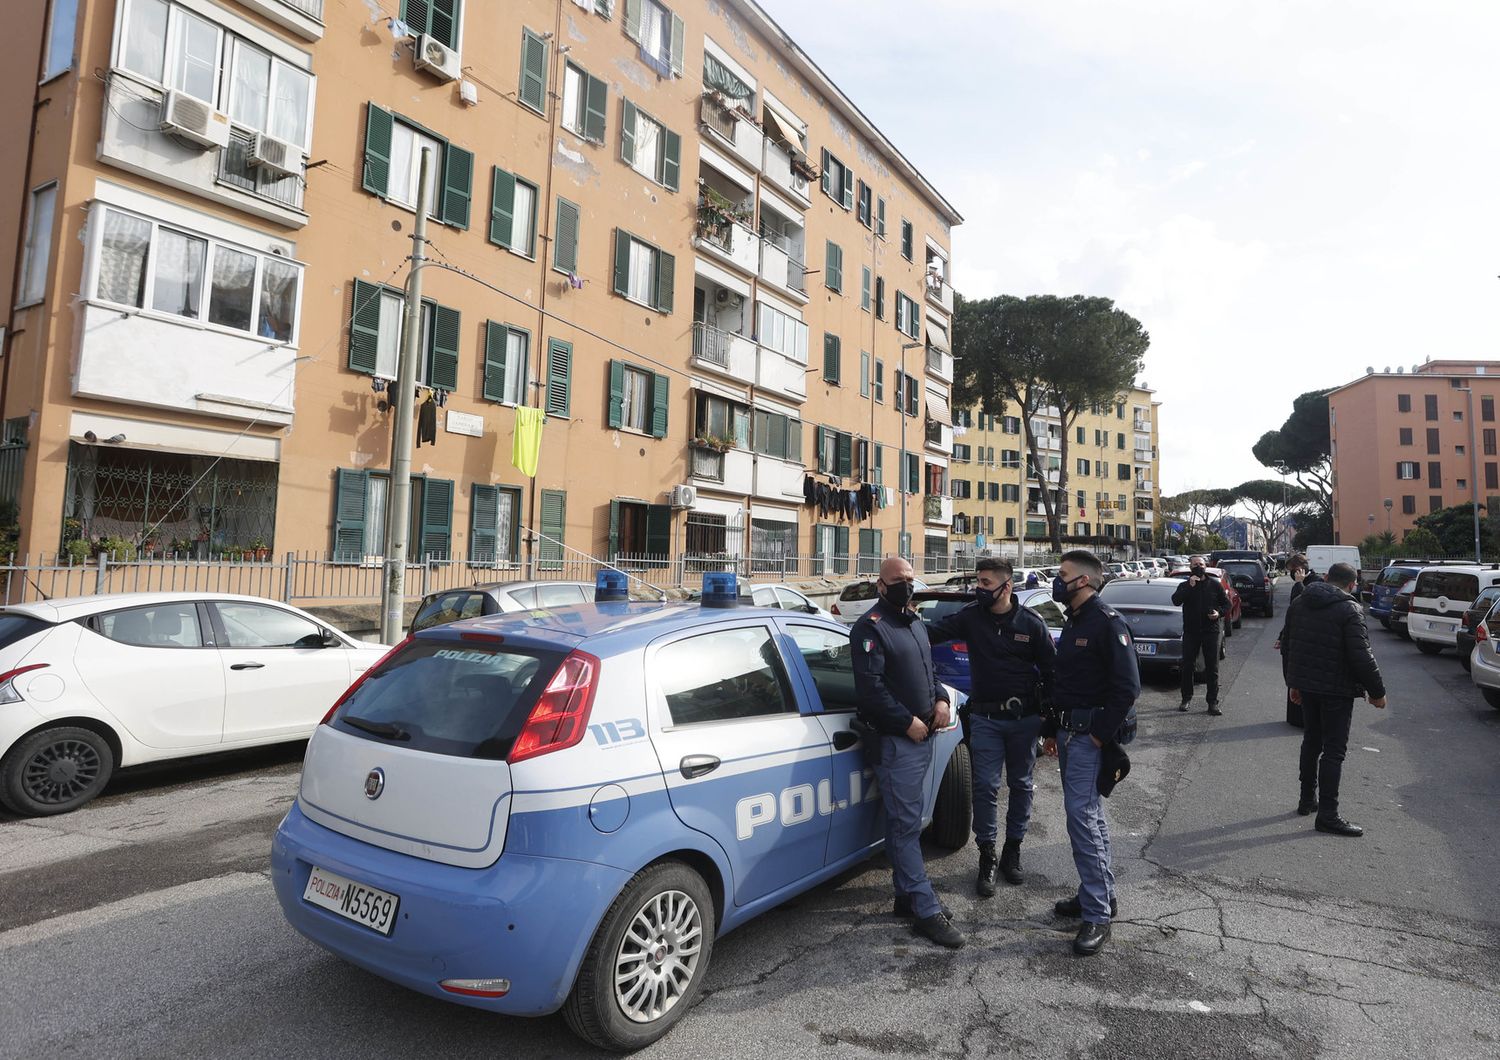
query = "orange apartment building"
x=662 y=224
x=1408 y=443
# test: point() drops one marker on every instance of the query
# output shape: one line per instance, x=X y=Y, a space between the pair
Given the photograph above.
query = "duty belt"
x=1077 y=719
x=1012 y=709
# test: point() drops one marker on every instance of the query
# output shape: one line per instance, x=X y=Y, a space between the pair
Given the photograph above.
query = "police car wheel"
x=954 y=808
x=647 y=962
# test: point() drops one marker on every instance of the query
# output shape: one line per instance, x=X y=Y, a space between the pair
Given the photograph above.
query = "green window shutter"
x=880 y=297
x=864 y=287
x=848 y=177
x=841 y=549
x=595 y=100
x=666 y=279
x=622 y=262
x=437 y=518
x=879 y=465
x=614 y=530
x=658 y=531
x=349 y=502
x=616 y=394
x=864 y=374
x=554 y=505
x=880 y=218
x=818 y=445
x=633 y=15
x=484 y=524
x=627 y=132
x=417 y=14
x=533 y=70
x=833 y=266
x=659 y=406
x=866 y=542
x=496 y=341
x=826 y=178
x=679 y=36
x=443 y=22
x=364 y=327
x=671 y=159
x=502 y=207
x=458 y=183
x=559 y=377
x=445 y=331
x=565 y=240
x=844 y=446
x=378 y=131
x=794 y=440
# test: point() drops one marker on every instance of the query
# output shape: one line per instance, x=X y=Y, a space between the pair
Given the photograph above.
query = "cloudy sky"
x=1284 y=192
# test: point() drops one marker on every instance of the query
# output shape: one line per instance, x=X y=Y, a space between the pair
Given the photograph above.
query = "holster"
x=869 y=740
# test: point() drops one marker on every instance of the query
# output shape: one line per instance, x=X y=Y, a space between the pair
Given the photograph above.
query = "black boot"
x=1010 y=862
x=1308 y=803
x=984 y=886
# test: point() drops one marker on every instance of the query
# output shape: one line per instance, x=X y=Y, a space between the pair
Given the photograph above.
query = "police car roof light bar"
x=720 y=589
x=611 y=586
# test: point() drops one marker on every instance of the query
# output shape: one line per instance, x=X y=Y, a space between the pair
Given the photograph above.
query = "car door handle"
x=248 y=666
x=845 y=739
x=693 y=766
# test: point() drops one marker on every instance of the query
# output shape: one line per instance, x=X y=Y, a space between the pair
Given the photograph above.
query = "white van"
x=1321 y=557
x=1438 y=603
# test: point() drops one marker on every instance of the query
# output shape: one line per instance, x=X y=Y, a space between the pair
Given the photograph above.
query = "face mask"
x=1197 y=572
x=1060 y=590
x=899 y=594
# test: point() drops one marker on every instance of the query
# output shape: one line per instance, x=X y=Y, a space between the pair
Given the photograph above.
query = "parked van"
x=1438 y=602
x=1321 y=557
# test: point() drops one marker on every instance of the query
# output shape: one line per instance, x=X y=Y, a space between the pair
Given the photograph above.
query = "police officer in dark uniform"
x=1097 y=684
x=1203 y=601
x=1011 y=660
x=900 y=698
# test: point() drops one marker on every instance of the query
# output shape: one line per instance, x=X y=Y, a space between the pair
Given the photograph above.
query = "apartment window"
x=660 y=34
x=1010 y=491
x=864 y=288
x=270 y=96
x=864 y=374
x=880 y=381
x=1083 y=469
x=1408 y=504
x=880 y=298
x=1434 y=444
x=1487 y=409
x=1489 y=441
x=649 y=147
x=494 y=530
x=1406 y=436
x=783 y=333
x=436 y=18
x=1010 y=458
x=637 y=399
x=908 y=316
x=911 y=477
x=1491 y=476
x=838 y=181
x=1122 y=472
x=36 y=258
x=507 y=350
x=1081 y=436
x=1458 y=416
x=375 y=336
x=907 y=238
x=1010 y=424
x=559 y=378
x=1119 y=441
x=863 y=210
x=565 y=236
x=835 y=451
x=777 y=436
x=1403 y=402
x=720 y=418
x=831 y=357
x=513 y=213
x=1119 y=411
x=533 y=90
x=643 y=273
x=393 y=158
x=584 y=104
x=1407 y=469
x=62 y=24
x=360 y=502
x=833 y=267
x=1435 y=474
x=1430 y=409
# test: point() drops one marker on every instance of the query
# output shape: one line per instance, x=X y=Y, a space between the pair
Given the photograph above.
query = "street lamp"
x=901 y=463
x=1388 y=507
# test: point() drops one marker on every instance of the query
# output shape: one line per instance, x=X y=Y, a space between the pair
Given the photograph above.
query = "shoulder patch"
x=1125 y=640
x=873 y=615
x=869 y=645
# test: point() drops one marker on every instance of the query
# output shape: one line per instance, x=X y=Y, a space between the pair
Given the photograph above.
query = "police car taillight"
x=961 y=647
x=361 y=680
x=561 y=715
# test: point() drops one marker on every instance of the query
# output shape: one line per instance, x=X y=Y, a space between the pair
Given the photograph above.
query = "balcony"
x=782 y=375
x=724 y=351
x=939 y=437
x=940 y=364
x=777 y=166
x=778 y=480
x=1142 y=423
x=1144 y=485
x=937 y=511
x=1144 y=456
x=783 y=269
x=727 y=240
x=728 y=472
x=302 y=17
x=940 y=292
x=729 y=125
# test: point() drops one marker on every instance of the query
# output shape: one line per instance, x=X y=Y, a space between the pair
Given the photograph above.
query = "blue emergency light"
x=611 y=587
x=720 y=589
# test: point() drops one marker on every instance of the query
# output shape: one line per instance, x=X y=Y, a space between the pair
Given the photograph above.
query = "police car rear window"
x=1452 y=584
x=463 y=698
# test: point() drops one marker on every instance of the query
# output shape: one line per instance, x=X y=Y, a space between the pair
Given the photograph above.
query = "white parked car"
x=1484 y=659
x=858 y=597
x=1438 y=602
x=90 y=684
x=787 y=599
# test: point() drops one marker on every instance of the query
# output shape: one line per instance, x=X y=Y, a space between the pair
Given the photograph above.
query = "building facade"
x=1112 y=489
x=660 y=224
x=1405 y=444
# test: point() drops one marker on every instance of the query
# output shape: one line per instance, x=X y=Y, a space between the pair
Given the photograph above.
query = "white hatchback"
x=90 y=684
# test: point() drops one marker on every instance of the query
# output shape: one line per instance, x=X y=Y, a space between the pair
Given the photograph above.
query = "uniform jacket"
x=1096 y=667
x=1009 y=655
x=1198 y=600
x=893 y=673
x=1326 y=646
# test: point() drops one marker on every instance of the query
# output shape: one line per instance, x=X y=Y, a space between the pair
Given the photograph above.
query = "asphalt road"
x=144 y=925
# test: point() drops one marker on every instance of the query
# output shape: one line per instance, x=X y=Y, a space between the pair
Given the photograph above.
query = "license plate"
x=354 y=901
x=1143 y=648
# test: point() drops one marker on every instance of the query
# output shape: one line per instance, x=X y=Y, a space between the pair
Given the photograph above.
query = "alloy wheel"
x=658 y=956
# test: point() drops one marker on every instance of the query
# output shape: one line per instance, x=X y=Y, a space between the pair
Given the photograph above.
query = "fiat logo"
x=374 y=783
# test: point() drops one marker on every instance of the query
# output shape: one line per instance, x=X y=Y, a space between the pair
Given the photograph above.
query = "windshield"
x=1150 y=593
x=1244 y=568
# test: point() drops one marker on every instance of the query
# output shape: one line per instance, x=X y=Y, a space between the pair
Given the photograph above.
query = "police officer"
x=900 y=698
x=1011 y=660
x=1203 y=600
x=1097 y=683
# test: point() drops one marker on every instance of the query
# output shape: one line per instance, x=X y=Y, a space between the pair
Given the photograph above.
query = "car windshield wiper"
x=378 y=728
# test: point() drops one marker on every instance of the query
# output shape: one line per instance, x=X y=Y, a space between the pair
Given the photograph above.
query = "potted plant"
x=261 y=551
x=712 y=442
x=77 y=552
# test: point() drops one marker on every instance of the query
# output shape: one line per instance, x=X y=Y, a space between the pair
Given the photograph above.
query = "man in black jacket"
x=900 y=698
x=1328 y=664
x=1011 y=660
x=1203 y=600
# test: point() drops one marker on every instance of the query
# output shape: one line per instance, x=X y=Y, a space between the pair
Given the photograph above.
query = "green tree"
x=1202 y=509
x=1300 y=448
x=1453 y=527
x=1420 y=541
x=1314 y=527
x=1269 y=501
x=1045 y=350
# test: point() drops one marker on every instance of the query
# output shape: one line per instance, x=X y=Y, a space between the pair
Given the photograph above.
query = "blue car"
x=1387 y=585
x=564 y=808
x=951 y=660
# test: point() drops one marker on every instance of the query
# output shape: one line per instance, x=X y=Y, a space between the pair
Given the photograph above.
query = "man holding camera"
x=1203 y=600
x=1011 y=659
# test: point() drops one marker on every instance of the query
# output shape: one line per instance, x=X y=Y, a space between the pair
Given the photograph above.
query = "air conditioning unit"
x=799 y=183
x=724 y=296
x=684 y=496
x=437 y=59
x=192 y=119
x=267 y=152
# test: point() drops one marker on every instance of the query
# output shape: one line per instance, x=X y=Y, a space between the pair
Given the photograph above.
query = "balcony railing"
x=1145 y=485
x=706 y=464
x=710 y=344
x=235 y=170
x=311 y=8
x=716 y=118
x=939 y=291
x=738 y=243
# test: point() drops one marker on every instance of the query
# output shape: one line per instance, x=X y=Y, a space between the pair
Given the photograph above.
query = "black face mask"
x=987 y=597
x=1198 y=572
x=898 y=595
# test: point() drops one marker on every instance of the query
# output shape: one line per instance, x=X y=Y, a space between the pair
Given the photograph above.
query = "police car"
x=565 y=808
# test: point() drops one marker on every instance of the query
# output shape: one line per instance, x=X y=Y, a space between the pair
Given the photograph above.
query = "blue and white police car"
x=565 y=808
